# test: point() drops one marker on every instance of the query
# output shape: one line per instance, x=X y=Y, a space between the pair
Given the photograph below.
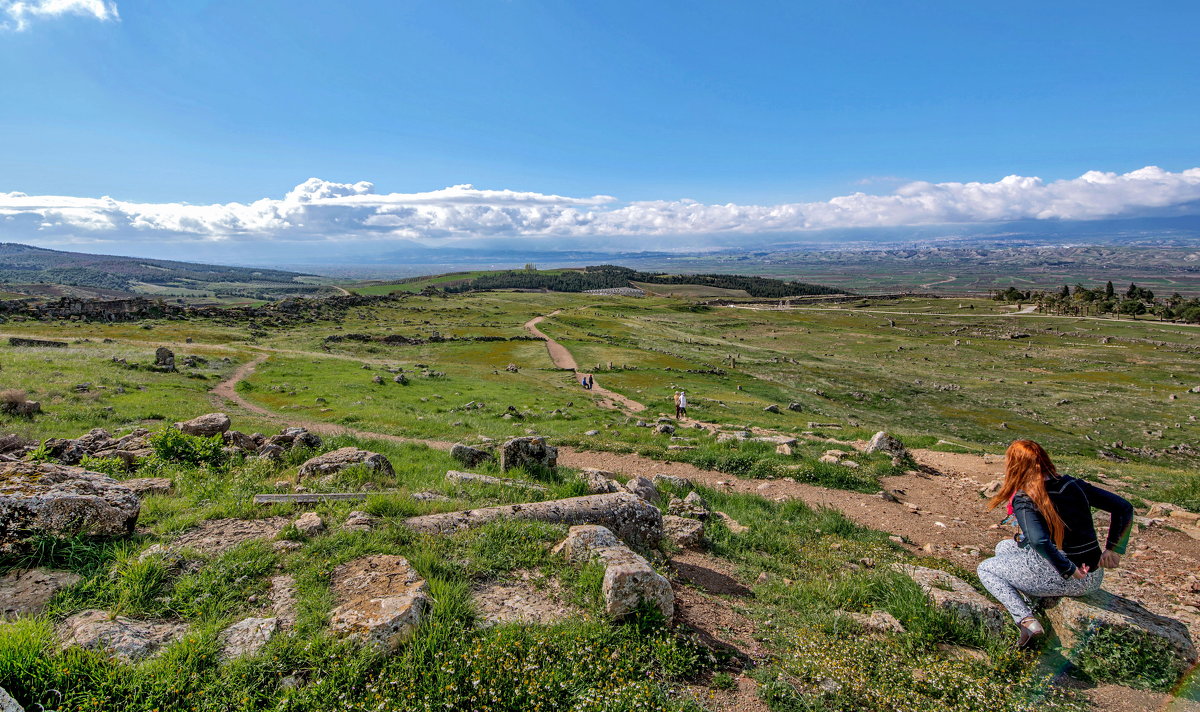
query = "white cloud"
x=17 y=14
x=318 y=210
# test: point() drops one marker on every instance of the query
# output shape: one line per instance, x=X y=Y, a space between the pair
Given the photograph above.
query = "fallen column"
x=627 y=515
x=629 y=580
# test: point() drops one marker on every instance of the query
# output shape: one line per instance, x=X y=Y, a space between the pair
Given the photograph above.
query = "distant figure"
x=587 y=382
x=680 y=404
x=1056 y=552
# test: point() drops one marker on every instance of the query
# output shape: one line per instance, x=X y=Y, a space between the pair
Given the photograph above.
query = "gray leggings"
x=1015 y=575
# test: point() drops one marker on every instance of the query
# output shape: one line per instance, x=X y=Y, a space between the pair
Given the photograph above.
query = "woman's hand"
x=1081 y=572
x=1110 y=560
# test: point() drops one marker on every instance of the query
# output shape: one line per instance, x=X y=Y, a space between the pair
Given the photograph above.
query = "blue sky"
x=761 y=104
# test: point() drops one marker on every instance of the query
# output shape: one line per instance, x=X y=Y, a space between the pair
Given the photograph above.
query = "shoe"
x=1030 y=629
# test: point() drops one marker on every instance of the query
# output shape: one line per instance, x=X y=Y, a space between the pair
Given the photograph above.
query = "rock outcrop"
x=247 y=637
x=381 y=600
x=338 y=460
x=631 y=517
x=205 y=426
x=118 y=636
x=530 y=452
x=26 y=592
x=8 y=704
x=683 y=532
x=1075 y=619
x=644 y=488
x=470 y=456
x=882 y=442
x=955 y=596
x=629 y=580
x=59 y=500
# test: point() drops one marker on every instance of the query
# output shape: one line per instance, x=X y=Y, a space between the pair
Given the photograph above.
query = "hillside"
x=38 y=271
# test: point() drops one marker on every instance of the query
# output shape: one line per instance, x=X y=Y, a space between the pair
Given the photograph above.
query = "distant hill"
x=38 y=271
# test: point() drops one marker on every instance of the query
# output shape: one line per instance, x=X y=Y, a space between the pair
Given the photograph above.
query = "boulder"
x=118 y=636
x=771 y=408
x=294 y=437
x=829 y=459
x=205 y=426
x=240 y=440
x=58 y=500
x=692 y=506
x=684 y=532
x=8 y=704
x=381 y=601
x=882 y=442
x=340 y=459
x=360 y=522
x=26 y=592
x=672 y=480
x=644 y=488
x=599 y=481
x=470 y=456
x=796 y=407
x=632 y=518
x=247 y=637
x=164 y=358
x=1074 y=619
x=267 y=451
x=955 y=596
x=664 y=429
x=216 y=536
x=529 y=452
x=629 y=580
x=309 y=524
x=879 y=621
x=456 y=476
x=143 y=486
x=95 y=440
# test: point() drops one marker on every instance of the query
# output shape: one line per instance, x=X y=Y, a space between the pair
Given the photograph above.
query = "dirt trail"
x=562 y=358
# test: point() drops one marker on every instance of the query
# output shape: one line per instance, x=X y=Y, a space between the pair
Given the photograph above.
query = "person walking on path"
x=680 y=404
x=1056 y=552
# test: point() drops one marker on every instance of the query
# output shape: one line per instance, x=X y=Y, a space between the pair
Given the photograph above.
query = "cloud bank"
x=318 y=210
x=17 y=14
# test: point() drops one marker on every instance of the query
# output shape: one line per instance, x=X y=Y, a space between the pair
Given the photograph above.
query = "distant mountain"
x=111 y=275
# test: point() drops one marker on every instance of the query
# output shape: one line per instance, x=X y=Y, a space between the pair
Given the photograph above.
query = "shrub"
x=1126 y=658
x=111 y=466
x=173 y=446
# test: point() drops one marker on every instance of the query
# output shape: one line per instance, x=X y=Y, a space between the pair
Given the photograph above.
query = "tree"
x=1066 y=292
x=1108 y=290
x=1133 y=307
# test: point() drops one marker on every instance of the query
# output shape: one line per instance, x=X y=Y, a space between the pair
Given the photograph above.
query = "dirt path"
x=562 y=358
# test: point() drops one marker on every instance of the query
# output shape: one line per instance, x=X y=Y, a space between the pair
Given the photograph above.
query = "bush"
x=111 y=466
x=1127 y=658
x=171 y=445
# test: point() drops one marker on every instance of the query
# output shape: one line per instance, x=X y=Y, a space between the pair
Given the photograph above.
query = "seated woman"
x=1056 y=552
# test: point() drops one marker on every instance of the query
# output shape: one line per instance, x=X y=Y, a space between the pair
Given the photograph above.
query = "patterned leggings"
x=1015 y=575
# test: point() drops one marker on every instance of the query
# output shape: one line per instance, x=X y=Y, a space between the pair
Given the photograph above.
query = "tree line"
x=1085 y=301
x=612 y=277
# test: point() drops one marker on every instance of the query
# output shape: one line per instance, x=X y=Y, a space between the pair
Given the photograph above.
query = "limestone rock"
x=456 y=476
x=628 y=578
x=58 y=500
x=309 y=524
x=1074 y=618
x=732 y=524
x=205 y=426
x=270 y=452
x=164 y=358
x=381 y=601
x=530 y=452
x=684 y=532
x=216 y=536
x=294 y=437
x=644 y=488
x=429 y=497
x=664 y=429
x=240 y=440
x=692 y=506
x=143 y=486
x=340 y=459
x=829 y=459
x=599 y=481
x=360 y=522
x=952 y=594
x=8 y=704
x=879 y=621
x=882 y=442
x=470 y=456
x=247 y=637
x=771 y=408
x=672 y=480
x=119 y=636
x=26 y=592
x=283 y=600
x=629 y=516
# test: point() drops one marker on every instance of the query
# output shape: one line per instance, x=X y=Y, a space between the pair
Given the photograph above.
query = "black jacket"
x=1074 y=499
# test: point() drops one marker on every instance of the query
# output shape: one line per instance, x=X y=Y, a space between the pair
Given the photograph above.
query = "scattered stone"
x=8 y=704
x=456 y=476
x=205 y=426
x=592 y=432
x=771 y=408
x=340 y=459
x=284 y=546
x=529 y=452
x=879 y=621
x=164 y=358
x=521 y=601
x=672 y=480
x=270 y=452
x=664 y=429
x=829 y=459
x=643 y=488
x=470 y=456
x=631 y=517
x=692 y=506
x=144 y=486
x=283 y=600
x=796 y=407
x=1074 y=618
x=599 y=481
x=360 y=522
x=26 y=592
x=955 y=596
x=381 y=600
x=309 y=524
x=290 y=438
x=216 y=536
x=240 y=440
x=882 y=442
x=628 y=578
x=59 y=500
x=732 y=524
x=684 y=532
x=429 y=497
x=118 y=636
x=247 y=637
x=849 y=463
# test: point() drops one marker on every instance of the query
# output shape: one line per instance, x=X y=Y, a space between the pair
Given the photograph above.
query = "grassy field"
x=948 y=374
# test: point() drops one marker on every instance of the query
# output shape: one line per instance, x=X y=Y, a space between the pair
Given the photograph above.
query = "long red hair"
x=1026 y=467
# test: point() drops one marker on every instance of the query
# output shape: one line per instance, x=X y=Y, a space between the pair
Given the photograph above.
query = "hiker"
x=1056 y=552
x=680 y=404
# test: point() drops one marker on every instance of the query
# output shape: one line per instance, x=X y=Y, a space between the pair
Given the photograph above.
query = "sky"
x=126 y=123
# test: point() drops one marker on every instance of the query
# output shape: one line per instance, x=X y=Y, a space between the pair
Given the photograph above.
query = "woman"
x=1056 y=553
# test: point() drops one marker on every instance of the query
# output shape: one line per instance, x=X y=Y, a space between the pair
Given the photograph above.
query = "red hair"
x=1026 y=467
